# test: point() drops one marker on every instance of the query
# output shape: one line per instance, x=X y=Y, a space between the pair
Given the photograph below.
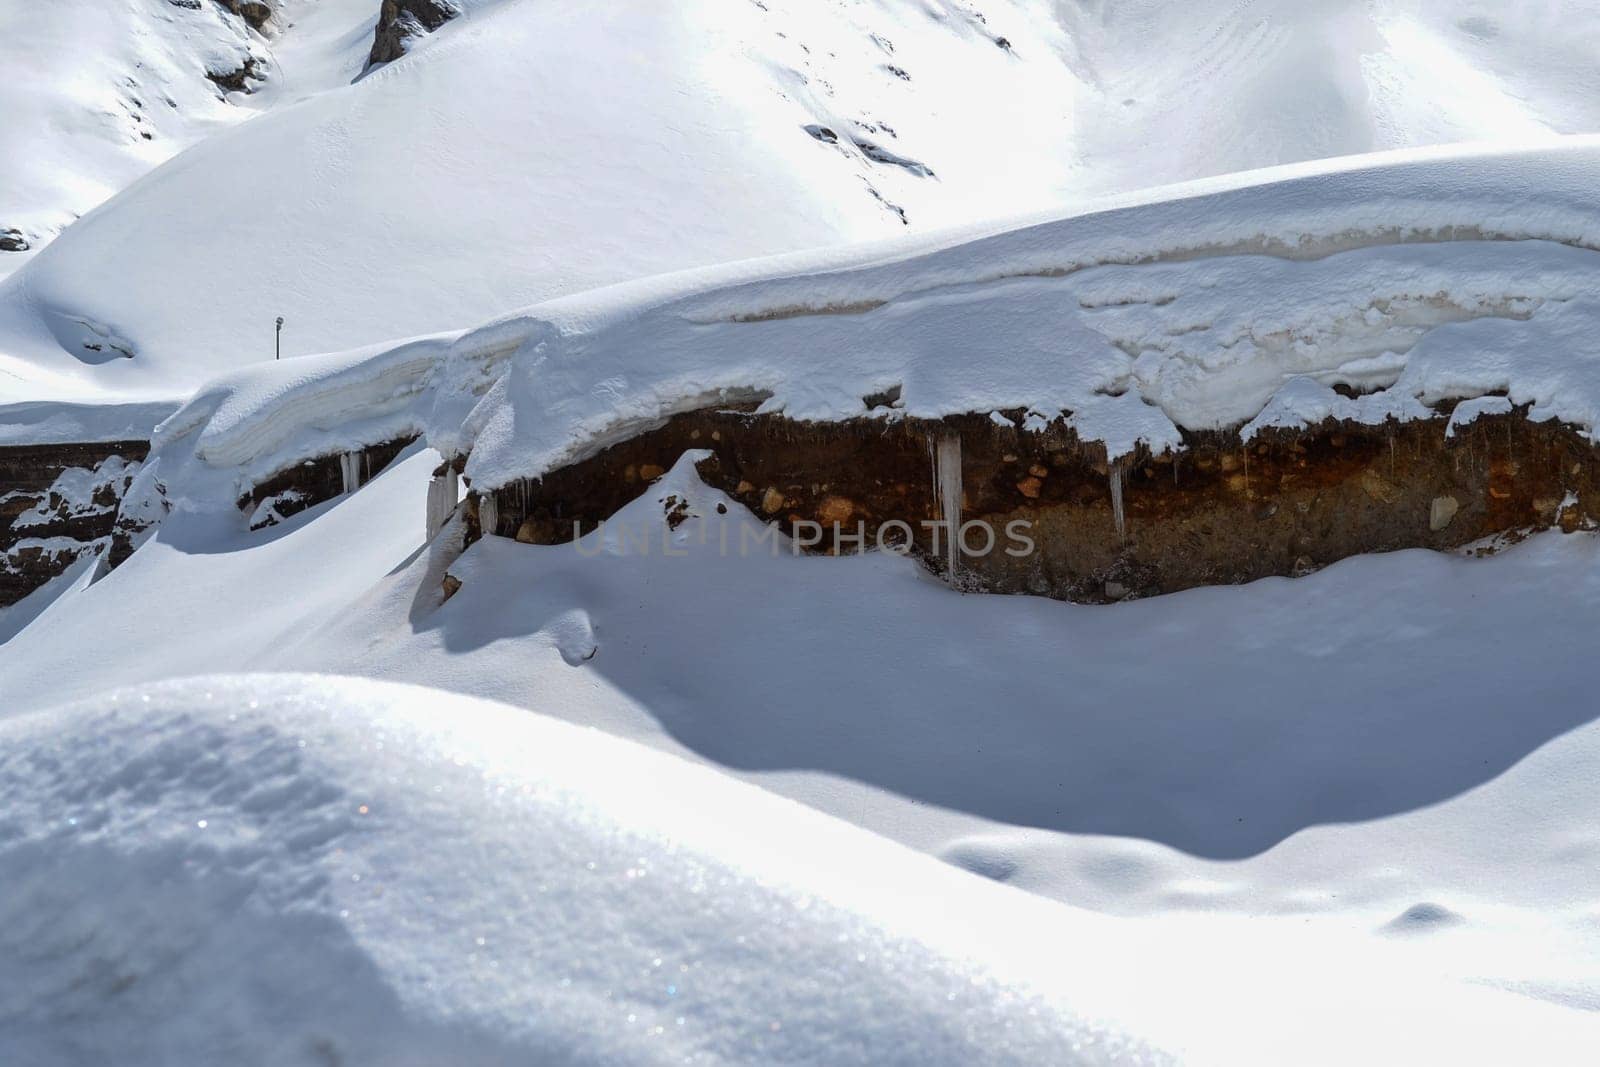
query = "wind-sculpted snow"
x=1405 y=281
x=312 y=870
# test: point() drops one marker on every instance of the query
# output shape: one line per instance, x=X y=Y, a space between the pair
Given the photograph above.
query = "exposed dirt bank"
x=1221 y=512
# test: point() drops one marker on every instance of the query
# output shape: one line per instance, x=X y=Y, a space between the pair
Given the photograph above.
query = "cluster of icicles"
x=443 y=492
x=355 y=468
x=945 y=454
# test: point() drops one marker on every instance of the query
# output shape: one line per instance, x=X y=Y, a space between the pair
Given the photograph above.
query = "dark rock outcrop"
x=239 y=80
x=12 y=241
x=402 y=21
x=58 y=502
x=254 y=12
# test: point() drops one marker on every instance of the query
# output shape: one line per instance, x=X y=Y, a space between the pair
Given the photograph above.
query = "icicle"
x=350 y=471
x=1116 y=501
x=443 y=491
x=947 y=485
x=488 y=513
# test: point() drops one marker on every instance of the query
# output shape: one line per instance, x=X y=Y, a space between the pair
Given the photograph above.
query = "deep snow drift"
x=314 y=871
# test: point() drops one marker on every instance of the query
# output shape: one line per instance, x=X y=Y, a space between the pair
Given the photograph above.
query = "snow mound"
x=332 y=871
x=1361 y=290
x=319 y=870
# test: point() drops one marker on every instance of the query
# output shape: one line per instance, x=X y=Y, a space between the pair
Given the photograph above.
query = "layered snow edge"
x=1362 y=290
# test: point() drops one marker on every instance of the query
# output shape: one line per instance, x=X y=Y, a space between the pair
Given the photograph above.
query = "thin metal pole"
x=277 y=349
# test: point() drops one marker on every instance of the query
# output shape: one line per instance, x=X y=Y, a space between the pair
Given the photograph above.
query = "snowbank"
x=310 y=869
x=1409 y=281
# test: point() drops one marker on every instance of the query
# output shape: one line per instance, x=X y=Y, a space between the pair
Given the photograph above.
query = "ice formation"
x=350 y=471
x=443 y=492
x=947 y=488
x=1117 y=514
x=488 y=513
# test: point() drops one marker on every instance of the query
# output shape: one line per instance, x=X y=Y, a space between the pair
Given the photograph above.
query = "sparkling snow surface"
x=399 y=876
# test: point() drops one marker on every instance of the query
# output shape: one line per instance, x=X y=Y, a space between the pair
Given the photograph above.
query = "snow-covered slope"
x=313 y=871
x=531 y=148
x=99 y=91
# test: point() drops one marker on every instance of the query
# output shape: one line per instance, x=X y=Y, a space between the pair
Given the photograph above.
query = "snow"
x=98 y=93
x=1348 y=818
x=52 y=422
x=89 y=566
x=414 y=877
x=105 y=90
x=1470 y=411
x=531 y=149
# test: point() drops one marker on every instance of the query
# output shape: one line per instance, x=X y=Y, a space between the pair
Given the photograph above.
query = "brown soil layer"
x=26 y=474
x=1218 y=513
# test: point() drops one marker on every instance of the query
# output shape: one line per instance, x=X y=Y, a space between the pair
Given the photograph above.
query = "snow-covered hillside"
x=101 y=91
x=97 y=93
x=531 y=148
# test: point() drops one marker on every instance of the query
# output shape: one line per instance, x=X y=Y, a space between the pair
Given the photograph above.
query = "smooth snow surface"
x=99 y=91
x=312 y=870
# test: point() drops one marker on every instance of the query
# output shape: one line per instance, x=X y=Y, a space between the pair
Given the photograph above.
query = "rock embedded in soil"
x=1442 y=512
